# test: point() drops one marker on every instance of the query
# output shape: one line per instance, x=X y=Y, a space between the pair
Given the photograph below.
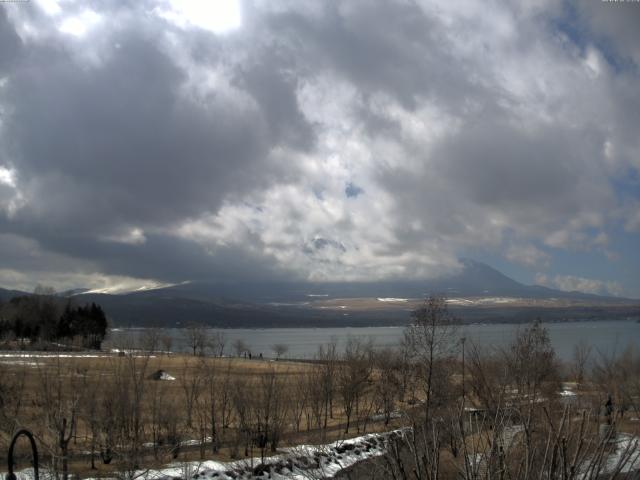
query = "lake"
x=607 y=337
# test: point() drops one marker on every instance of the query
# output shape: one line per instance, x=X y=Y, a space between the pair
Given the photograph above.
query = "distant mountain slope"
x=262 y=304
x=8 y=294
x=255 y=304
x=476 y=279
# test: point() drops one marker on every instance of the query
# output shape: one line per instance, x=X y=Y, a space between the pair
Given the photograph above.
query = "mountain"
x=8 y=294
x=476 y=279
x=477 y=293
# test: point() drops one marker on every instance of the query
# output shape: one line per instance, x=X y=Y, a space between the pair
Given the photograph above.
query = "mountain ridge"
x=476 y=279
x=480 y=289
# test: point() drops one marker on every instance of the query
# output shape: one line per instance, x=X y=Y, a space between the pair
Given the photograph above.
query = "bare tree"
x=128 y=405
x=241 y=399
x=167 y=341
x=279 y=349
x=214 y=397
x=226 y=408
x=317 y=393
x=300 y=400
x=108 y=417
x=579 y=364
x=353 y=374
x=629 y=368
x=150 y=339
x=618 y=376
x=534 y=378
x=191 y=383
x=531 y=361
x=239 y=347
x=431 y=346
x=169 y=422
x=12 y=389
x=328 y=360
x=270 y=411
x=89 y=414
x=158 y=408
x=196 y=337
x=431 y=338
x=488 y=378
x=217 y=343
x=518 y=430
x=388 y=385
x=60 y=403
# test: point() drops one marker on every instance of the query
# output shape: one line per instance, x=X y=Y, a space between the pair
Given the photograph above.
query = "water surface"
x=605 y=336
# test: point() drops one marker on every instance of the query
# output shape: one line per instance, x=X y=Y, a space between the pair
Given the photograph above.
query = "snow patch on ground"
x=296 y=463
x=19 y=362
x=49 y=355
x=392 y=299
x=627 y=451
x=126 y=351
x=482 y=301
x=325 y=461
x=381 y=416
x=567 y=393
x=68 y=355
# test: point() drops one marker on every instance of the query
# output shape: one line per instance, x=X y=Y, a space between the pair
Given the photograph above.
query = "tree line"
x=30 y=321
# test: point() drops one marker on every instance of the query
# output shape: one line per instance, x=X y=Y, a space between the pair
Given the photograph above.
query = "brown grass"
x=91 y=373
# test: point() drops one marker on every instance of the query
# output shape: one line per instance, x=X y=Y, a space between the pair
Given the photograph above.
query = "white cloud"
x=542 y=279
x=325 y=237
x=594 y=62
x=95 y=282
x=219 y=16
x=133 y=236
x=50 y=7
x=78 y=25
x=7 y=177
x=571 y=283
x=528 y=255
x=11 y=198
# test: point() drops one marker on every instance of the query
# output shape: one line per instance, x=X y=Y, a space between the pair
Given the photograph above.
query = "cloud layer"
x=356 y=141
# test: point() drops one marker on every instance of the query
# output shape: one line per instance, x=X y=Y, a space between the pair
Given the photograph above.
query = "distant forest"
x=44 y=318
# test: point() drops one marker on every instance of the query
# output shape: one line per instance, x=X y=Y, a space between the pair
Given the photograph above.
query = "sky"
x=151 y=142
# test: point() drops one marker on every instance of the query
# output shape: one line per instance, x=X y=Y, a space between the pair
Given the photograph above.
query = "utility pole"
x=463 y=340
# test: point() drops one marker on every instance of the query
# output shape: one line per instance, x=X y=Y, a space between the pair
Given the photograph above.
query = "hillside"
x=479 y=293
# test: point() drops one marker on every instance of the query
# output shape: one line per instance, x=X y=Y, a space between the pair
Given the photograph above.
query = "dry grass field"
x=105 y=395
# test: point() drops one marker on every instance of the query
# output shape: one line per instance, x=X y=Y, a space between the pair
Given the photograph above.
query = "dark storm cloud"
x=9 y=43
x=24 y=254
x=496 y=176
x=101 y=148
x=497 y=165
x=171 y=259
x=115 y=143
x=276 y=96
x=393 y=48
